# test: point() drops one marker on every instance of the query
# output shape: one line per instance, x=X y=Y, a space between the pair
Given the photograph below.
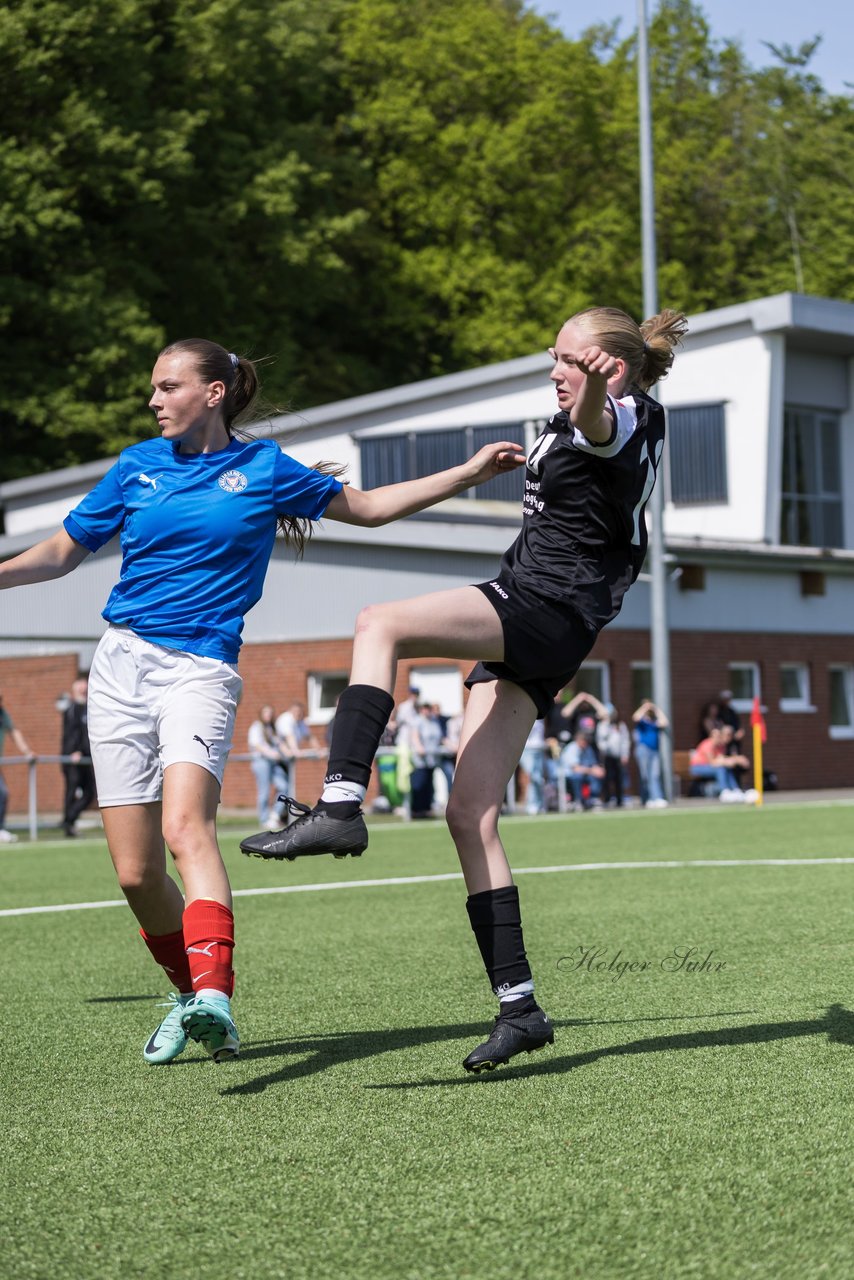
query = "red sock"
x=169 y=951
x=209 y=939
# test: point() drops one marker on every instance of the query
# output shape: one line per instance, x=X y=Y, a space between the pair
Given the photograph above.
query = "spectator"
x=558 y=735
x=729 y=718
x=271 y=762
x=394 y=770
x=738 y=763
x=650 y=722
x=727 y=714
x=79 y=774
x=564 y=718
x=710 y=718
x=614 y=746
x=405 y=716
x=583 y=770
x=292 y=724
x=451 y=746
x=425 y=744
x=709 y=762
x=532 y=765
x=6 y=726
x=327 y=733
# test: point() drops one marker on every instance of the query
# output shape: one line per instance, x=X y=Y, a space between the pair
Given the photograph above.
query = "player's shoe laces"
x=512 y=1033
x=313 y=832
x=170 y=1038
x=208 y=1021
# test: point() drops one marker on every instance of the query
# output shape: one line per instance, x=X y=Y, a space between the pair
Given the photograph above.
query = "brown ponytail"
x=661 y=334
x=648 y=349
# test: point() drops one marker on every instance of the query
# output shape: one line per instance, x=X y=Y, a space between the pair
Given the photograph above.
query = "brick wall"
x=30 y=689
x=799 y=748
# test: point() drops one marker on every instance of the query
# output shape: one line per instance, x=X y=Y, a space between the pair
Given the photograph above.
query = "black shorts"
x=545 y=641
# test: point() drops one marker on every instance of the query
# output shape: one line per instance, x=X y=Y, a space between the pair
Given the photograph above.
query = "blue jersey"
x=197 y=532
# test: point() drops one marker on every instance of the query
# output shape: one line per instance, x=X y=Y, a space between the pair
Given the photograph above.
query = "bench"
x=682 y=779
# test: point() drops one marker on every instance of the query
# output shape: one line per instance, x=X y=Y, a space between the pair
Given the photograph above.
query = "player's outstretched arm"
x=373 y=507
x=52 y=558
x=588 y=413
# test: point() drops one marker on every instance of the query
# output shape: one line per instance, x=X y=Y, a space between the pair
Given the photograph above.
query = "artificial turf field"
x=685 y=1123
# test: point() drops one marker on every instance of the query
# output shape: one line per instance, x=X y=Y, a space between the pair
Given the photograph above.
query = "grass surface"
x=686 y=1123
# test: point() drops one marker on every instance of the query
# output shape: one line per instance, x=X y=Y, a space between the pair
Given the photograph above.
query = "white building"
x=759 y=528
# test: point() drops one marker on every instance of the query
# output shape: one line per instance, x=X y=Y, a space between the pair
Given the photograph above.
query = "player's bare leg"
x=453 y=624
x=498 y=719
x=135 y=839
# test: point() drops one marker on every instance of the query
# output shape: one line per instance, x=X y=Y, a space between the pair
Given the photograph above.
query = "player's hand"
x=593 y=360
x=493 y=460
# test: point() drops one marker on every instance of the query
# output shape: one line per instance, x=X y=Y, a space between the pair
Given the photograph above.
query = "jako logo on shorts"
x=500 y=590
x=233 y=481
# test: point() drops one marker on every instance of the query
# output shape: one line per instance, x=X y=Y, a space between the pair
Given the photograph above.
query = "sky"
x=748 y=21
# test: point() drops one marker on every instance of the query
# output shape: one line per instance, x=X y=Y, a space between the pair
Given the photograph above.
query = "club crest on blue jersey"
x=233 y=481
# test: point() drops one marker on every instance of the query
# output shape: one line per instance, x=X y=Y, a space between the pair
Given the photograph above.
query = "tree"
x=369 y=192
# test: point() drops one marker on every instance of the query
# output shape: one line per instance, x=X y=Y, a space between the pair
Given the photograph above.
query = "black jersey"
x=583 y=537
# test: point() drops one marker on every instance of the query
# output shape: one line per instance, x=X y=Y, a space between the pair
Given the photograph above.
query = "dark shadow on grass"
x=118 y=999
x=317 y=1053
x=837 y=1023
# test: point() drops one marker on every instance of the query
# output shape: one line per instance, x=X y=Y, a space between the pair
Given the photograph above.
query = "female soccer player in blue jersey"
x=197 y=510
x=581 y=545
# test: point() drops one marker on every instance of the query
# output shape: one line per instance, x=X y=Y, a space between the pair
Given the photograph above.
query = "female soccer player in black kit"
x=581 y=546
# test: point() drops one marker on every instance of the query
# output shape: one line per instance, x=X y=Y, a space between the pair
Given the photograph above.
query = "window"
x=795 y=687
x=697 y=454
x=439 y=684
x=324 y=690
x=593 y=677
x=841 y=701
x=391 y=459
x=811 y=511
x=745 y=684
x=641 y=683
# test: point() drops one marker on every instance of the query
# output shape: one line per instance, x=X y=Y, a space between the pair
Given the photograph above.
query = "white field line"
x=455 y=875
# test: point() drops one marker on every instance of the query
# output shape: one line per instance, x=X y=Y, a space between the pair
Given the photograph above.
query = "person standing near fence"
x=650 y=722
x=272 y=755
x=78 y=772
x=581 y=546
x=197 y=509
x=7 y=727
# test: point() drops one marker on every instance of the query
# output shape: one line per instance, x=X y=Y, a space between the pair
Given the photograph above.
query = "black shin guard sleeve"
x=361 y=716
x=497 y=924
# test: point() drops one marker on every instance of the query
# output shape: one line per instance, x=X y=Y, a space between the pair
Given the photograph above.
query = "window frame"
x=605 y=669
x=714 y=444
x=743 y=705
x=317 y=713
x=803 y=703
x=818 y=501
x=842 y=732
x=405 y=454
x=640 y=666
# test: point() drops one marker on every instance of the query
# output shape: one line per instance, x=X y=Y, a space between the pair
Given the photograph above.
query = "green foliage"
x=373 y=191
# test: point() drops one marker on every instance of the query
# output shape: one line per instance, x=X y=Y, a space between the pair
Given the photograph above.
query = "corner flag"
x=760 y=735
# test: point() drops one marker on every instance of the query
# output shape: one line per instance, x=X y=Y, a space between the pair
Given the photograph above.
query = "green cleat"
x=170 y=1038
x=207 y=1020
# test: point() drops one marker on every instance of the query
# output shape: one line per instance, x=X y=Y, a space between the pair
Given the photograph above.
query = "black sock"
x=361 y=716
x=497 y=924
x=338 y=808
x=525 y=1004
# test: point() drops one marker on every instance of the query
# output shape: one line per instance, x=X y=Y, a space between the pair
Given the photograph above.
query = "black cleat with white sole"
x=314 y=831
x=513 y=1033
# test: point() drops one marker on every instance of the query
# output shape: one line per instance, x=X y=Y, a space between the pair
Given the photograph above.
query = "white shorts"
x=150 y=707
